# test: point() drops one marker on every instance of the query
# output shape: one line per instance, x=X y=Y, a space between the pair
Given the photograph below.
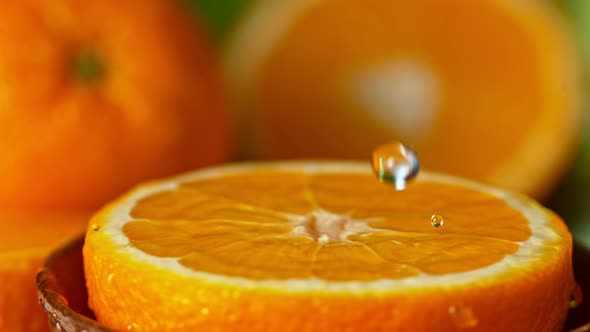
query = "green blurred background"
x=572 y=199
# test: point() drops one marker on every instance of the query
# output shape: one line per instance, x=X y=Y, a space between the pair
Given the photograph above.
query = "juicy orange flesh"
x=243 y=225
x=475 y=81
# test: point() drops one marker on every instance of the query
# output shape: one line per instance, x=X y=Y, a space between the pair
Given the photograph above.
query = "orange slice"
x=325 y=247
x=483 y=89
x=26 y=238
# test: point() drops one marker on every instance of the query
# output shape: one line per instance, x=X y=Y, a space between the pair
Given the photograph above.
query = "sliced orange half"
x=325 y=247
x=483 y=89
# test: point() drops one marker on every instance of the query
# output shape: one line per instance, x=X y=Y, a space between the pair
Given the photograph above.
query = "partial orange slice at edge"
x=27 y=237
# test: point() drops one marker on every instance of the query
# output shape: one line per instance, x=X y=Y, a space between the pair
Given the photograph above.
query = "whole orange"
x=97 y=95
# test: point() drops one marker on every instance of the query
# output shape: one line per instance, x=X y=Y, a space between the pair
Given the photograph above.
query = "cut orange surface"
x=482 y=89
x=27 y=237
x=325 y=247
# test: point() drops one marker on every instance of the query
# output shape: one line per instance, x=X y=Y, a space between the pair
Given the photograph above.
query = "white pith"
x=530 y=251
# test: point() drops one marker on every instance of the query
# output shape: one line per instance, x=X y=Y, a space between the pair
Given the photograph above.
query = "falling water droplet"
x=395 y=163
x=95 y=227
x=462 y=316
x=437 y=220
x=576 y=297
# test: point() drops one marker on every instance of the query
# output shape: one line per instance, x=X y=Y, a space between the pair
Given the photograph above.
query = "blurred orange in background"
x=484 y=89
x=96 y=96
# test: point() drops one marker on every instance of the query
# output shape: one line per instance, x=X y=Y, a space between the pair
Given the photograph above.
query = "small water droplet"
x=110 y=278
x=204 y=311
x=95 y=227
x=395 y=163
x=576 y=297
x=462 y=316
x=437 y=220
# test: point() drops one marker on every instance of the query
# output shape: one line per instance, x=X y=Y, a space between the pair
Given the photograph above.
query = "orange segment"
x=484 y=89
x=248 y=217
x=324 y=246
